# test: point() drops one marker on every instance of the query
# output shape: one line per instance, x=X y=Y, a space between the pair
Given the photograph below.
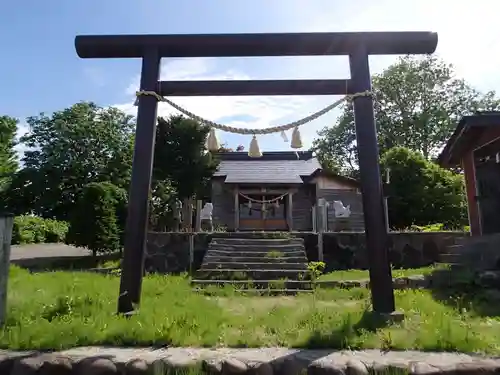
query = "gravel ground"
x=46 y=250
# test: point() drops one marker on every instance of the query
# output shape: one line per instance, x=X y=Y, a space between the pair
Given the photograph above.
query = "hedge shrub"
x=34 y=229
x=421 y=192
x=437 y=227
x=98 y=220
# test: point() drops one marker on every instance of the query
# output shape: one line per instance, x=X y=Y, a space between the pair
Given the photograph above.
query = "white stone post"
x=322 y=206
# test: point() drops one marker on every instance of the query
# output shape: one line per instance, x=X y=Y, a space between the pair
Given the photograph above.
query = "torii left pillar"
x=138 y=211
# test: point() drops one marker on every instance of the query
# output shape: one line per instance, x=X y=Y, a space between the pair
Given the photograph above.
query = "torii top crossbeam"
x=235 y=45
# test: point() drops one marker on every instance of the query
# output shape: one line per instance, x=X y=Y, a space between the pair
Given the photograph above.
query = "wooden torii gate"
x=358 y=46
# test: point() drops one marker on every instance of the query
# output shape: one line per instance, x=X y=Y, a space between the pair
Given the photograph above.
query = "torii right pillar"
x=377 y=237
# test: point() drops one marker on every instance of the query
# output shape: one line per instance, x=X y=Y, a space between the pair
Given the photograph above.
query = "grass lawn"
x=56 y=310
x=363 y=274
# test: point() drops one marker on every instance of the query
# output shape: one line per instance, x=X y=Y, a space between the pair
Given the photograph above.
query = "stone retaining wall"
x=169 y=252
x=410 y=282
x=261 y=361
x=346 y=250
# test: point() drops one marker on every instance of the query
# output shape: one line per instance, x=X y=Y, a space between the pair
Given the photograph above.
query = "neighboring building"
x=475 y=146
x=289 y=183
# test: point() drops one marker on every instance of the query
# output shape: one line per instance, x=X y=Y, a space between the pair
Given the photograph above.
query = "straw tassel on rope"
x=296 y=138
x=284 y=136
x=212 y=141
x=254 y=150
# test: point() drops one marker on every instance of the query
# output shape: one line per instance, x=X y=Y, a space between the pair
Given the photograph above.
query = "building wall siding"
x=223 y=202
x=302 y=203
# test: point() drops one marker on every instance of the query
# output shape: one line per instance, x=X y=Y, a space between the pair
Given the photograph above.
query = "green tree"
x=182 y=167
x=417 y=103
x=163 y=196
x=120 y=201
x=8 y=158
x=225 y=148
x=181 y=156
x=421 y=192
x=97 y=224
x=66 y=151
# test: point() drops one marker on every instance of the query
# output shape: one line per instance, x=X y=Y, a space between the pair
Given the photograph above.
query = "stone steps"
x=454 y=248
x=474 y=253
x=256 y=235
x=450 y=258
x=459 y=241
x=453 y=256
x=258 y=254
x=257 y=241
x=259 y=248
x=251 y=266
x=255 y=274
x=249 y=261
x=259 y=284
x=268 y=292
x=254 y=259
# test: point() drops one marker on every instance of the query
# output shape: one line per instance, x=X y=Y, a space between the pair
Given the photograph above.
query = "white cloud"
x=467 y=35
x=262 y=111
x=22 y=129
x=468 y=32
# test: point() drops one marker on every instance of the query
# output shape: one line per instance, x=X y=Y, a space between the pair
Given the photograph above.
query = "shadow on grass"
x=326 y=343
x=465 y=289
x=343 y=337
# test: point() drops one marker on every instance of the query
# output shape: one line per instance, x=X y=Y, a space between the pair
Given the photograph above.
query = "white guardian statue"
x=340 y=210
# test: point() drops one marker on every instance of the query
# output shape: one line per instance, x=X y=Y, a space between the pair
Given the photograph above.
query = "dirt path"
x=46 y=250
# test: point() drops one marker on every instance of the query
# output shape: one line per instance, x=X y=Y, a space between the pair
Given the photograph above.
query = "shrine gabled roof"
x=466 y=135
x=286 y=167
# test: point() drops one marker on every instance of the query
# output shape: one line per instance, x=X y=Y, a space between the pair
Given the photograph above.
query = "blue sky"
x=43 y=72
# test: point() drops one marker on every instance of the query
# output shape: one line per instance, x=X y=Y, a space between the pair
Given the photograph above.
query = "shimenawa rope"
x=265 y=200
x=254 y=151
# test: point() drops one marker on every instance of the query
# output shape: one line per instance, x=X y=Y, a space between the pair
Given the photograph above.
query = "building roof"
x=468 y=131
x=282 y=167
